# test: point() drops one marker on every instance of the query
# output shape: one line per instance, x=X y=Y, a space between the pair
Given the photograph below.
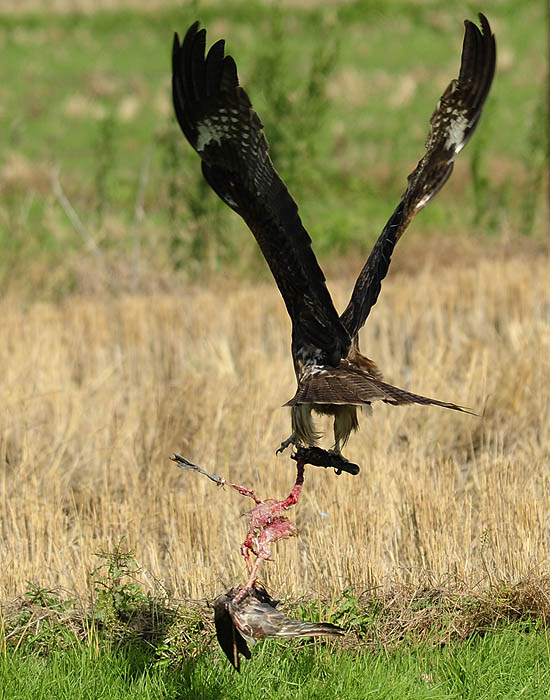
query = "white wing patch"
x=208 y=132
x=309 y=360
x=425 y=199
x=457 y=129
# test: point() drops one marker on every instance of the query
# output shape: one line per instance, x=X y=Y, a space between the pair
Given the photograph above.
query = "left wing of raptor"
x=218 y=119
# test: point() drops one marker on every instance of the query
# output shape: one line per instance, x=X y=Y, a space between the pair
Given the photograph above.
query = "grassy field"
x=507 y=663
x=87 y=125
x=98 y=392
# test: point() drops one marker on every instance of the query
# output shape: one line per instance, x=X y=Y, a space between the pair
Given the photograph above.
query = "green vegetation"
x=505 y=663
x=128 y=643
x=345 y=94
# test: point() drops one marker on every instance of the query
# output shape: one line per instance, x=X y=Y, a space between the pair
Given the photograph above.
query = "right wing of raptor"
x=451 y=126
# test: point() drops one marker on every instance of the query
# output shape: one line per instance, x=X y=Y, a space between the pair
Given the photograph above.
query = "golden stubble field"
x=96 y=393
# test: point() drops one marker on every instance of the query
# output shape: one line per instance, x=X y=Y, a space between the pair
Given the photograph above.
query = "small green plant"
x=46 y=598
x=118 y=593
x=123 y=613
x=355 y=614
x=348 y=611
x=186 y=638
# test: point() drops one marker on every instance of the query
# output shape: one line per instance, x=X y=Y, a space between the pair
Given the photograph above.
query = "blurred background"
x=99 y=190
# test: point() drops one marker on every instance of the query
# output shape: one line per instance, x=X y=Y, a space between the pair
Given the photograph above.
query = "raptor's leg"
x=291 y=440
x=338 y=437
x=345 y=422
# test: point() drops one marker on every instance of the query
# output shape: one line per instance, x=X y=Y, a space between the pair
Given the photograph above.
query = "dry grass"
x=96 y=394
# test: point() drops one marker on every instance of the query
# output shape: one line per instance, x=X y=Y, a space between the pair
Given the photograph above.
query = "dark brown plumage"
x=249 y=614
x=219 y=121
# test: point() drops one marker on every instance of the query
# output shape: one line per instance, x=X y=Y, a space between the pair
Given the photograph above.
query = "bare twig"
x=74 y=218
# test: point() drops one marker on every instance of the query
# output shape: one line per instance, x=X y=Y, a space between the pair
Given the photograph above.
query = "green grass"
x=505 y=663
x=128 y=644
x=124 y=642
x=88 y=96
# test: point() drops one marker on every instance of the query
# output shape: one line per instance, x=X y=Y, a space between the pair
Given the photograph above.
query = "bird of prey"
x=253 y=616
x=218 y=119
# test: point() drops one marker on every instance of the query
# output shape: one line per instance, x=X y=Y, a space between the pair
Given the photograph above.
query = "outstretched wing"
x=229 y=638
x=257 y=617
x=218 y=120
x=452 y=124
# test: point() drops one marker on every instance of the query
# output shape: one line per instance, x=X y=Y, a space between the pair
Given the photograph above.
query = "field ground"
x=98 y=392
